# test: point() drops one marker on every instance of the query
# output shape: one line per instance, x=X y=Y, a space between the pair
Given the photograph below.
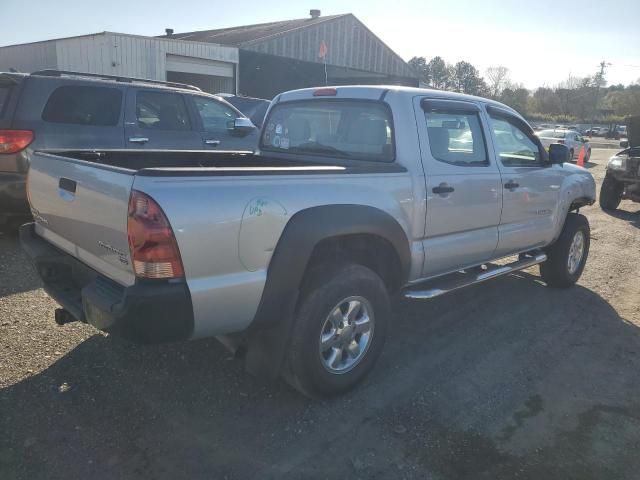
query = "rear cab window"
x=350 y=129
x=84 y=105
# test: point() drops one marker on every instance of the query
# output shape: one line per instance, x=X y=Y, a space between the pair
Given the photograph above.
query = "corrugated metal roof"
x=247 y=34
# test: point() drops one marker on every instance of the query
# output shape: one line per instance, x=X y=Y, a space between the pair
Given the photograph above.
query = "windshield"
x=551 y=134
x=361 y=130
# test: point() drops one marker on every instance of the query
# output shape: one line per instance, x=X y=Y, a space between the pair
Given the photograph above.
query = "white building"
x=209 y=66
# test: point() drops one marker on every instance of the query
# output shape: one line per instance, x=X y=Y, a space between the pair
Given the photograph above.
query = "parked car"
x=622 y=178
x=254 y=108
x=293 y=252
x=69 y=110
x=572 y=139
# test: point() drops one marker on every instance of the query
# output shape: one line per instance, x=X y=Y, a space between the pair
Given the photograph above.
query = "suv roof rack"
x=117 y=78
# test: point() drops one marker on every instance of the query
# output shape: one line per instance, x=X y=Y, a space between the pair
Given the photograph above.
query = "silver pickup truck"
x=291 y=254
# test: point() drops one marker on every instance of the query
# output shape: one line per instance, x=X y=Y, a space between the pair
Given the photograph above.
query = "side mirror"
x=558 y=153
x=241 y=127
x=624 y=144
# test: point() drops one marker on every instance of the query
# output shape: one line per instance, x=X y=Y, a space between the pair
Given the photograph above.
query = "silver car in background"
x=572 y=139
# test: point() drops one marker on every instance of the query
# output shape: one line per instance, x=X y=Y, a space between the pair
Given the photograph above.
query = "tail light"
x=153 y=246
x=12 y=141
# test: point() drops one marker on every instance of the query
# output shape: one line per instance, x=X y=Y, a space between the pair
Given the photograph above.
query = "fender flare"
x=288 y=264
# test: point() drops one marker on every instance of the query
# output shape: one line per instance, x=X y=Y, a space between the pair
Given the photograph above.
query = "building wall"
x=112 y=54
x=28 y=57
x=350 y=44
x=263 y=75
x=133 y=56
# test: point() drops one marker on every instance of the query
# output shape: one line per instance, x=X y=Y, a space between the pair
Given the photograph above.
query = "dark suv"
x=622 y=180
x=71 y=110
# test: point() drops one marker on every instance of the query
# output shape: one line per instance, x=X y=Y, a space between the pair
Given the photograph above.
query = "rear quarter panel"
x=228 y=227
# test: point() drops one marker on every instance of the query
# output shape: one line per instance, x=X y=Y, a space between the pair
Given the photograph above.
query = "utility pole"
x=599 y=80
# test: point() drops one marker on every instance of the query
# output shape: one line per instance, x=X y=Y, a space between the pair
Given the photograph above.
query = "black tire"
x=610 y=193
x=571 y=155
x=587 y=156
x=305 y=369
x=555 y=271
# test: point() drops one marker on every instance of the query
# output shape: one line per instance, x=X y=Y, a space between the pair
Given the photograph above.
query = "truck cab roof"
x=378 y=92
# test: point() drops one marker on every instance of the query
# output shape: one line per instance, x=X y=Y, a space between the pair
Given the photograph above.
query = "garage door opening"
x=206 y=83
x=209 y=75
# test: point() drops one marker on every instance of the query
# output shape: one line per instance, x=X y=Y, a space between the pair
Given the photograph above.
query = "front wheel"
x=611 y=193
x=340 y=329
x=567 y=257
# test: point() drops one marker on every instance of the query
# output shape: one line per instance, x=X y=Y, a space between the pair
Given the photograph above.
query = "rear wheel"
x=610 y=193
x=340 y=330
x=571 y=155
x=567 y=257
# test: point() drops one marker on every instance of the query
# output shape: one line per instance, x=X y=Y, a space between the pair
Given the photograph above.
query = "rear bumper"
x=13 y=197
x=147 y=312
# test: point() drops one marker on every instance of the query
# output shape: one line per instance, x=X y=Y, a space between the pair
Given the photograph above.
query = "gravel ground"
x=508 y=379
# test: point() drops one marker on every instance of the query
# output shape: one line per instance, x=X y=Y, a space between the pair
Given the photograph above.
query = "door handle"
x=510 y=185
x=215 y=143
x=442 y=188
x=138 y=139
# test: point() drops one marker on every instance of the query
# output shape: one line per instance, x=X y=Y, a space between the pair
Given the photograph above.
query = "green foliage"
x=581 y=100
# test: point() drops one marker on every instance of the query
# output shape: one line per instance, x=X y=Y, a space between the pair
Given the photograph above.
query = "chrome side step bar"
x=445 y=285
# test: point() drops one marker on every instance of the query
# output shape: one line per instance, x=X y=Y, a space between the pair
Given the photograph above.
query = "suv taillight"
x=153 y=246
x=12 y=141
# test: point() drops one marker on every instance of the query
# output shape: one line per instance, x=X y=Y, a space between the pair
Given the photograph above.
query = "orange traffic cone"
x=581 y=157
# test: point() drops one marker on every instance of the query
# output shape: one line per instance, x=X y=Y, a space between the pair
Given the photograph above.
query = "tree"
x=466 y=79
x=517 y=98
x=498 y=78
x=625 y=102
x=439 y=73
x=419 y=64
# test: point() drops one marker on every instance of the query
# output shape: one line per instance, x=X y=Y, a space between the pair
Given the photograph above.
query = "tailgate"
x=81 y=207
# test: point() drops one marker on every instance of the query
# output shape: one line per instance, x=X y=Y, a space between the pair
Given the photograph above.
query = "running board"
x=446 y=285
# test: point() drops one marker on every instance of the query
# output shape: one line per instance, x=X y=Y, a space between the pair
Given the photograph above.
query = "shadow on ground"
x=503 y=380
x=16 y=273
x=623 y=213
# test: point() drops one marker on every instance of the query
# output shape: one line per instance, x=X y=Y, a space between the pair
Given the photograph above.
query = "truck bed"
x=197 y=162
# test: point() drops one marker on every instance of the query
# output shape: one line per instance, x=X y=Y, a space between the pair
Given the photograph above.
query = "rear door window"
x=359 y=130
x=456 y=138
x=83 y=105
x=161 y=111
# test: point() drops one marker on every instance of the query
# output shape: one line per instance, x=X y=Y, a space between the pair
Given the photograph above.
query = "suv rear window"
x=6 y=83
x=80 y=105
x=4 y=96
x=360 y=130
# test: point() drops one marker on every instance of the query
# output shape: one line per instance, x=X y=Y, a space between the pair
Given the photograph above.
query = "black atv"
x=622 y=180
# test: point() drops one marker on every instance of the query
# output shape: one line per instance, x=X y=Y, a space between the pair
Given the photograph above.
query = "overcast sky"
x=542 y=42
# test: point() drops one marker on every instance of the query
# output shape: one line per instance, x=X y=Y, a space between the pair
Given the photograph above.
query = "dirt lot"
x=509 y=379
